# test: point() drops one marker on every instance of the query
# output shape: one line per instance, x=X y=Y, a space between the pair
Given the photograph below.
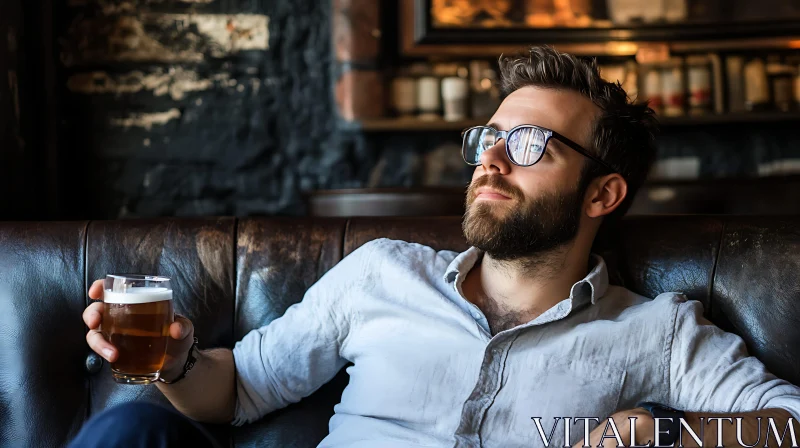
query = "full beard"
x=534 y=226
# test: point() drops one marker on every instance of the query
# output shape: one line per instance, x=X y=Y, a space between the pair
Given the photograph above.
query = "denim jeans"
x=141 y=425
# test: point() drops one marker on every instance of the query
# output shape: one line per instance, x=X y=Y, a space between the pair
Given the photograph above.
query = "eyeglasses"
x=525 y=144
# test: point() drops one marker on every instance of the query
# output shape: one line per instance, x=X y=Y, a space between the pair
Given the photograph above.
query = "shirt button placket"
x=482 y=396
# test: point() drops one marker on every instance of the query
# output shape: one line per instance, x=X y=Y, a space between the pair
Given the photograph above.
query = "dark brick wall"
x=196 y=128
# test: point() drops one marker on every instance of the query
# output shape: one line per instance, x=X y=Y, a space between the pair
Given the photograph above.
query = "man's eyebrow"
x=494 y=125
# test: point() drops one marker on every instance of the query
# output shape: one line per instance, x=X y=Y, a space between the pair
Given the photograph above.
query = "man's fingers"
x=96 y=290
x=181 y=328
x=182 y=333
x=93 y=315
x=100 y=346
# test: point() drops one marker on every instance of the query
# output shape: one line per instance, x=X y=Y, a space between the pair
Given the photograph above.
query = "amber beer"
x=137 y=313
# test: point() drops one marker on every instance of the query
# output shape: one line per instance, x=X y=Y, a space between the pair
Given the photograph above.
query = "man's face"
x=515 y=211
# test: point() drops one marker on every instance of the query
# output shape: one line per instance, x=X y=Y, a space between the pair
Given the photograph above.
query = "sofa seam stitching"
x=235 y=278
x=85 y=305
x=714 y=270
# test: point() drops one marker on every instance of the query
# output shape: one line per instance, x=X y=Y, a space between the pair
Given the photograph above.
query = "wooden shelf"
x=416 y=125
x=732 y=118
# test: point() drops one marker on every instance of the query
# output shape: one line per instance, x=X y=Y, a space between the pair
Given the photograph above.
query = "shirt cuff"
x=246 y=409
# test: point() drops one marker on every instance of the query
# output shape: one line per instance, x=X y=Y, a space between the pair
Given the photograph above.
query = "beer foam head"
x=142 y=294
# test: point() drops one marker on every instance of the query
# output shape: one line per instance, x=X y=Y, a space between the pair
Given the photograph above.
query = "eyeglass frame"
x=548 y=134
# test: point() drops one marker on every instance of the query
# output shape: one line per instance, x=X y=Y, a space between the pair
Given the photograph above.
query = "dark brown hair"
x=624 y=134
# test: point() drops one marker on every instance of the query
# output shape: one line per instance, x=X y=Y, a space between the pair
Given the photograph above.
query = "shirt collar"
x=589 y=289
x=462 y=263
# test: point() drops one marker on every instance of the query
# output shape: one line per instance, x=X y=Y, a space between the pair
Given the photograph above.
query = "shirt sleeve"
x=294 y=355
x=711 y=371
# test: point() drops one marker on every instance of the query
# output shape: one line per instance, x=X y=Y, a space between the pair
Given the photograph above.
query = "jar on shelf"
x=717 y=88
x=428 y=93
x=675 y=10
x=429 y=98
x=653 y=11
x=631 y=83
x=756 y=85
x=653 y=89
x=404 y=95
x=624 y=12
x=672 y=87
x=698 y=76
x=734 y=73
x=782 y=89
x=781 y=79
x=455 y=93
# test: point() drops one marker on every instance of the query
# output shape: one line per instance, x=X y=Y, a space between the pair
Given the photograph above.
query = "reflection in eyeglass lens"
x=477 y=141
x=487 y=139
x=526 y=145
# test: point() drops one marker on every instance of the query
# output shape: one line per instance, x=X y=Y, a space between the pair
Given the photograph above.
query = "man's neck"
x=512 y=293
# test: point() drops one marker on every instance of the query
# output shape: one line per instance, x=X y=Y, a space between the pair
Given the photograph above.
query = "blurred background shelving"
x=418 y=125
x=723 y=77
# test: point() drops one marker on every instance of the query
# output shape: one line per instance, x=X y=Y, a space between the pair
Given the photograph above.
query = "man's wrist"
x=176 y=374
x=172 y=374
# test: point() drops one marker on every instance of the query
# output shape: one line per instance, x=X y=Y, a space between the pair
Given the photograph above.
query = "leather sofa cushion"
x=231 y=276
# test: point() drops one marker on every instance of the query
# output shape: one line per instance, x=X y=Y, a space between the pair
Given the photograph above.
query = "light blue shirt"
x=427 y=372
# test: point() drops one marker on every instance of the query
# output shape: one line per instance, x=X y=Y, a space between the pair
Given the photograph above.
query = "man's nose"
x=495 y=160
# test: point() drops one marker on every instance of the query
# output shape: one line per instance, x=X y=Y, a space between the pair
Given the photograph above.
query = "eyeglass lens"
x=525 y=144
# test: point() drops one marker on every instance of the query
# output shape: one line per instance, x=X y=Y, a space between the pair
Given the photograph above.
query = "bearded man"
x=494 y=346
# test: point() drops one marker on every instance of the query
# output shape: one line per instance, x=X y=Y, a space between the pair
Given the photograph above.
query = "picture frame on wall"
x=583 y=27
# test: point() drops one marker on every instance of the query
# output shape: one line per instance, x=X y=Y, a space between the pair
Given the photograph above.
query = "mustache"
x=495 y=182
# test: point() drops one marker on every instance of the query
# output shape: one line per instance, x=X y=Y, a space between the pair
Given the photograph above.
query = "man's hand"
x=181 y=336
x=644 y=430
x=208 y=394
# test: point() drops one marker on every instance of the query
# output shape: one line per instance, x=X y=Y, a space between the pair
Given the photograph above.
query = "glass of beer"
x=137 y=313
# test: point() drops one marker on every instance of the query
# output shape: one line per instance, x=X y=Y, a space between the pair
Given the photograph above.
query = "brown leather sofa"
x=231 y=276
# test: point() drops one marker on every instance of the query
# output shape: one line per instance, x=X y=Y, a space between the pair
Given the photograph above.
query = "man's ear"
x=605 y=194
